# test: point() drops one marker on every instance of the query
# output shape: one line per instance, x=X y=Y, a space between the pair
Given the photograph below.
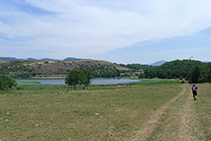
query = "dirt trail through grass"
x=173 y=121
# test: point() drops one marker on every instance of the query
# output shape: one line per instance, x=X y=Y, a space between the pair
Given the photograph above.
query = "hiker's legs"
x=194 y=95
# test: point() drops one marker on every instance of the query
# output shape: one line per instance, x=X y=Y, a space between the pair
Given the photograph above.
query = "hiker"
x=194 y=90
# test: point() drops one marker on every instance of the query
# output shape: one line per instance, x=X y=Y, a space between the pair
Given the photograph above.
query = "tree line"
x=135 y=66
x=193 y=71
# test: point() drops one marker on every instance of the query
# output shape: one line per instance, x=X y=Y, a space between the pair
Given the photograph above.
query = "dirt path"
x=187 y=120
x=173 y=121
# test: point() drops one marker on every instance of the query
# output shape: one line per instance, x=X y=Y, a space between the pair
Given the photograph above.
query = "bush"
x=6 y=82
x=183 y=81
x=142 y=75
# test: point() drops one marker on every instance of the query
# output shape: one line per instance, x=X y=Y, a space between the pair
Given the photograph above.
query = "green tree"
x=75 y=77
x=205 y=74
x=7 y=82
x=195 y=74
x=87 y=78
x=72 y=78
x=81 y=78
x=142 y=75
x=117 y=73
x=209 y=73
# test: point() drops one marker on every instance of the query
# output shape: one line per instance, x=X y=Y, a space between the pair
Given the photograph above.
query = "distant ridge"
x=30 y=59
x=74 y=59
x=11 y=58
x=159 y=63
x=49 y=59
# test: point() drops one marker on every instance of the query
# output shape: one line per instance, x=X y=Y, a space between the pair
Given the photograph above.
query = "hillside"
x=3 y=60
x=41 y=68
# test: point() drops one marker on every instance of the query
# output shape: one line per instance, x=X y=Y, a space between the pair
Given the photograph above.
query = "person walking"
x=194 y=90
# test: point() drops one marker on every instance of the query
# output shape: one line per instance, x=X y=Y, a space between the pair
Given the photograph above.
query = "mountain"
x=11 y=58
x=49 y=59
x=73 y=59
x=43 y=59
x=158 y=63
x=16 y=59
x=30 y=59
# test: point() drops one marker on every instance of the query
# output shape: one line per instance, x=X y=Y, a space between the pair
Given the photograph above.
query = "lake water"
x=93 y=81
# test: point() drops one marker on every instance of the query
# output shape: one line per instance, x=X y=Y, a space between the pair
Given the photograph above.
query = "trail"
x=173 y=121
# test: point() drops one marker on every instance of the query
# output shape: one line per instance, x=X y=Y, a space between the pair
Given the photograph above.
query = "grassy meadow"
x=203 y=109
x=34 y=111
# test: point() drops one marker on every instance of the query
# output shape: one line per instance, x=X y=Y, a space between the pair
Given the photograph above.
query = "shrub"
x=142 y=75
x=6 y=82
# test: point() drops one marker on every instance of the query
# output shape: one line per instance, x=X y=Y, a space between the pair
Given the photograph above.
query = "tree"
x=195 y=74
x=205 y=74
x=75 y=77
x=142 y=75
x=117 y=73
x=87 y=78
x=81 y=78
x=209 y=73
x=7 y=82
x=72 y=78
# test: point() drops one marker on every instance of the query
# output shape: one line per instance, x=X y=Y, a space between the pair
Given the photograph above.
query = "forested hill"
x=40 y=69
x=181 y=69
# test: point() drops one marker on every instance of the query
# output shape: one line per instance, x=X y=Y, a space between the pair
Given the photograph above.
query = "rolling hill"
x=56 y=69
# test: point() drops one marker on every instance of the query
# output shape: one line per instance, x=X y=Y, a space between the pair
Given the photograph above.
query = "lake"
x=93 y=81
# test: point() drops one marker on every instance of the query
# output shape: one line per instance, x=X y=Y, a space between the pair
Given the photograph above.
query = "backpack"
x=194 y=88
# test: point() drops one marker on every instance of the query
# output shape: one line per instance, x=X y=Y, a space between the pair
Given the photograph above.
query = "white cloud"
x=78 y=28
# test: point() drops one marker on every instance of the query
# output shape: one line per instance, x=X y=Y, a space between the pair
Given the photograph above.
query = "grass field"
x=151 y=110
x=203 y=109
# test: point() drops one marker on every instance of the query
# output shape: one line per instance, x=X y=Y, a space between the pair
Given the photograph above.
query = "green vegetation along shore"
x=152 y=110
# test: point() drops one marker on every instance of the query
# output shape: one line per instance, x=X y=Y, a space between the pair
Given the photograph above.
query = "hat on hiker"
x=193 y=84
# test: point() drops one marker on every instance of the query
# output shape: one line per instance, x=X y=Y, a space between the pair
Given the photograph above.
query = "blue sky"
x=119 y=31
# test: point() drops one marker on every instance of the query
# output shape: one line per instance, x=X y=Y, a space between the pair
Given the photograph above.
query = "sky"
x=119 y=31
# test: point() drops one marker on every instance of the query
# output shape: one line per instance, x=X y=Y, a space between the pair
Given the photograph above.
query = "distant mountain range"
x=49 y=59
x=159 y=63
x=5 y=59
